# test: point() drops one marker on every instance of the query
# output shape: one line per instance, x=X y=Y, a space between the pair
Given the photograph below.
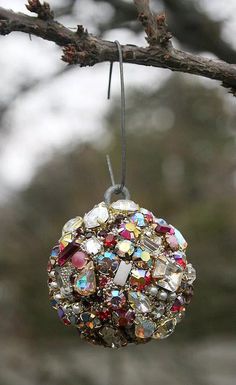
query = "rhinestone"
x=72 y=225
x=139 y=302
x=169 y=274
x=98 y=215
x=122 y=273
x=124 y=205
x=144 y=328
x=124 y=248
x=85 y=282
x=190 y=273
x=92 y=245
x=79 y=259
x=165 y=329
x=138 y=218
x=77 y=308
x=158 y=311
x=182 y=242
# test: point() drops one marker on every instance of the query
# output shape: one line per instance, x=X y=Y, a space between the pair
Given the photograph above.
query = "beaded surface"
x=120 y=275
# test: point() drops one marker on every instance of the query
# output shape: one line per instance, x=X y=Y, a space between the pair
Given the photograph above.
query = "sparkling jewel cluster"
x=120 y=275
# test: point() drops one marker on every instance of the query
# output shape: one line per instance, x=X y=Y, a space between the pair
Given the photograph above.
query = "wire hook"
x=118 y=188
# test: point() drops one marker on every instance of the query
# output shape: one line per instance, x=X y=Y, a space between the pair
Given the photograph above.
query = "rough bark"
x=85 y=49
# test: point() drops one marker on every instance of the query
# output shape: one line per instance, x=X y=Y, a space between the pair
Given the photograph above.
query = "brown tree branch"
x=85 y=49
x=155 y=25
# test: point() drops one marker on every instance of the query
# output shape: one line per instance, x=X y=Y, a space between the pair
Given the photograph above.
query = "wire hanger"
x=118 y=188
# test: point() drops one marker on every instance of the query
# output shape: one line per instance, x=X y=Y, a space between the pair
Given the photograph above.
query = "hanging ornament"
x=120 y=274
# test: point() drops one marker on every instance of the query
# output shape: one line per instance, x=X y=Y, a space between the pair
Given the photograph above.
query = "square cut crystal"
x=168 y=274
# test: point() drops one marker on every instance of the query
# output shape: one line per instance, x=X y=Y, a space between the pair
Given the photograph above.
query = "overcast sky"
x=71 y=107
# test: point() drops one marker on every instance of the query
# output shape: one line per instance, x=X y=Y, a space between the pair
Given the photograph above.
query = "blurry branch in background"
x=85 y=49
x=27 y=88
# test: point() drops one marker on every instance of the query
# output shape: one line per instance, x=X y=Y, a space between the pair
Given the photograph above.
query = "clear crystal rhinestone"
x=190 y=273
x=125 y=205
x=168 y=273
x=72 y=225
x=165 y=329
x=144 y=328
x=92 y=245
x=139 y=302
x=98 y=215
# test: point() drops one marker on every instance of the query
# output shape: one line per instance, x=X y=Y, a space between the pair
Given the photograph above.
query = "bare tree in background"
x=81 y=47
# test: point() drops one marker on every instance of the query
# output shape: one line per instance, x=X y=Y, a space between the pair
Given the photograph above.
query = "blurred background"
x=56 y=127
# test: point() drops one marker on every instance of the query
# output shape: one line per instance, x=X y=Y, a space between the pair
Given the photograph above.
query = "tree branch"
x=85 y=49
x=155 y=25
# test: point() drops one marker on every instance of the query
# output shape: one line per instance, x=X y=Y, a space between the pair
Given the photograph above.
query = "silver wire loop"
x=116 y=189
x=120 y=187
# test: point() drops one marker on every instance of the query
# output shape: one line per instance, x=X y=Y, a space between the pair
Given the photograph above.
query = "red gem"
x=110 y=240
x=178 y=305
x=164 y=229
x=103 y=281
x=66 y=321
x=149 y=217
x=104 y=315
x=66 y=253
x=181 y=262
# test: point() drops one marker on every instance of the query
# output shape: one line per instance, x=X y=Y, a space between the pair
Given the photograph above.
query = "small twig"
x=43 y=10
x=155 y=25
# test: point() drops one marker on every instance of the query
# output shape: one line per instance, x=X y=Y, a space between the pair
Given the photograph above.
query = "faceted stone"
x=165 y=329
x=139 y=302
x=124 y=205
x=158 y=311
x=140 y=278
x=168 y=274
x=63 y=277
x=77 y=308
x=188 y=294
x=110 y=240
x=104 y=315
x=172 y=241
x=124 y=248
x=152 y=244
x=116 y=298
x=72 y=225
x=144 y=328
x=190 y=273
x=178 y=304
x=107 y=262
x=122 y=273
x=113 y=338
x=92 y=245
x=122 y=317
x=148 y=215
x=182 y=242
x=85 y=282
x=98 y=215
x=65 y=255
x=60 y=312
x=79 y=259
x=65 y=240
x=164 y=229
x=138 y=218
x=180 y=258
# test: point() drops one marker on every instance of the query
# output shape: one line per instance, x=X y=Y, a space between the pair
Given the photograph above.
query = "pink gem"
x=79 y=259
x=164 y=229
x=172 y=242
x=126 y=234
